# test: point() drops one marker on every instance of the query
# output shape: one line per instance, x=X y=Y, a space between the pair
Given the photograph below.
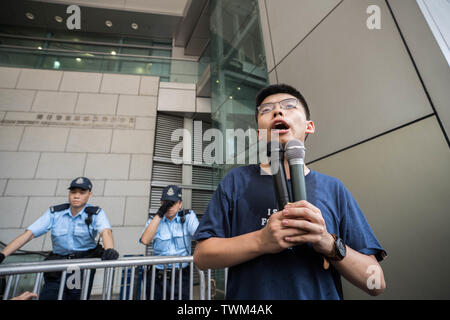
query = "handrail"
x=91 y=263
x=95 y=43
x=94 y=53
x=14 y=270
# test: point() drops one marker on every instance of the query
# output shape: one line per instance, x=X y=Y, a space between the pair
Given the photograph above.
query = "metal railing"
x=183 y=70
x=13 y=271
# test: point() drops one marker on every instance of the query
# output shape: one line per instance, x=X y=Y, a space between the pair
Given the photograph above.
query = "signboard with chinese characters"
x=69 y=120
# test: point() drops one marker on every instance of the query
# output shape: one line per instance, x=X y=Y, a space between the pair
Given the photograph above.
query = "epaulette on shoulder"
x=187 y=211
x=92 y=210
x=59 y=207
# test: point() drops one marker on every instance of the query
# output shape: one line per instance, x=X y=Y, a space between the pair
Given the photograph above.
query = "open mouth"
x=280 y=126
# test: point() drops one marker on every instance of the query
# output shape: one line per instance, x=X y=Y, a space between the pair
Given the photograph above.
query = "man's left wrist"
x=330 y=246
x=339 y=249
x=327 y=248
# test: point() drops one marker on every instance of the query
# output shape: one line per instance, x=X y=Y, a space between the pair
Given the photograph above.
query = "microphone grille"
x=295 y=149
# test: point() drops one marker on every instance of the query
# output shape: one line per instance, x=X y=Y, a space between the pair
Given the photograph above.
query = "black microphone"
x=276 y=155
x=295 y=155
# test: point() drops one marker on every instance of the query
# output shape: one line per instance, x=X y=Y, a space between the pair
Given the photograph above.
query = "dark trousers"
x=51 y=287
x=159 y=284
x=53 y=279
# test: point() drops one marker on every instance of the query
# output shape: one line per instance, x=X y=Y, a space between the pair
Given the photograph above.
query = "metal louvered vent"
x=202 y=175
x=155 y=199
x=164 y=172
x=167 y=172
x=198 y=144
x=200 y=200
x=165 y=126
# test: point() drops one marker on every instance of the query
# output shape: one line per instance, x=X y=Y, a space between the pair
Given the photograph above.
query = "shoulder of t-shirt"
x=242 y=170
x=335 y=186
x=237 y=173
x=235 y=176
x=331 y=181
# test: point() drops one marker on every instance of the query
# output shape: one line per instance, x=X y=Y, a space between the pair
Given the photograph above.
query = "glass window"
x=56 y=49
x=238 y=70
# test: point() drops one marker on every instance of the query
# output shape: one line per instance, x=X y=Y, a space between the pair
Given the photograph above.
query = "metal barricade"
x=13 y=271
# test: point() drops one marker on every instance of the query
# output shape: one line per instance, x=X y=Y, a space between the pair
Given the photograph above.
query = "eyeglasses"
x=285 y=104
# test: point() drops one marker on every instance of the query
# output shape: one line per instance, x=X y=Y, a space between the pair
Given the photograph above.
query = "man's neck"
x=288 y=173
x=76 y=210
x=266 y=167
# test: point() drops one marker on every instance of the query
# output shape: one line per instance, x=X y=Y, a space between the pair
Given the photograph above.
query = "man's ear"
x=310 y=127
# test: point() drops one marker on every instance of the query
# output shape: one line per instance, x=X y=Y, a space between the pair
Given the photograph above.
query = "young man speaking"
x=288 y=257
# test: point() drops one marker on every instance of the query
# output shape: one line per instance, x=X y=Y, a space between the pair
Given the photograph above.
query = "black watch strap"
x=339 y=249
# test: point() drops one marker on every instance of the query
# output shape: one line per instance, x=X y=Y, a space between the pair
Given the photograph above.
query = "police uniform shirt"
x=70 y=234
x=168 y=240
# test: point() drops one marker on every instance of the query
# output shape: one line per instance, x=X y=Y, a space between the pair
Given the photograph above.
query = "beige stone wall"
x=59 y=125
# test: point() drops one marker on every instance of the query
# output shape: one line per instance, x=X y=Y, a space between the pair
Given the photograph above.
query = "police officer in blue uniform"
x=171 y=231
x=73 y=227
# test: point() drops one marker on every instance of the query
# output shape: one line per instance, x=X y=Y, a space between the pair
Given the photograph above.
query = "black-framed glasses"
x=285 y=104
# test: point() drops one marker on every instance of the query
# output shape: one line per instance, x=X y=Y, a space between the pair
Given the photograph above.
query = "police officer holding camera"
x=171 y=231
x=73 y=227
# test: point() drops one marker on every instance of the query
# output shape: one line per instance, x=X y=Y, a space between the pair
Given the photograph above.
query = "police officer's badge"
x=170 y=192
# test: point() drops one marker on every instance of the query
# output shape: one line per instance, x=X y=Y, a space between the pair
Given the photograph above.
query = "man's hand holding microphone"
x=298 y=222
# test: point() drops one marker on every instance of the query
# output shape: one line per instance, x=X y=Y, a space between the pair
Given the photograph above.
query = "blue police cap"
x=172 y=193
x=82 y=183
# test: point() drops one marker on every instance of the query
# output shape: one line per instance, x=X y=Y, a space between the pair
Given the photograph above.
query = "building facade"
x=106 y=101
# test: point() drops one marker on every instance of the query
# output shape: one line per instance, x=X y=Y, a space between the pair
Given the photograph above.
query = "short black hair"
x=280 y=88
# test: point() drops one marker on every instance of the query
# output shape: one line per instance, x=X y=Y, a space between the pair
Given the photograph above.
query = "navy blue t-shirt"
x=243 y=202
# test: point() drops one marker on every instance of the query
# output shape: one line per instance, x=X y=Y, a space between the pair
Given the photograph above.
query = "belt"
x=75 y=255
x=91 y=253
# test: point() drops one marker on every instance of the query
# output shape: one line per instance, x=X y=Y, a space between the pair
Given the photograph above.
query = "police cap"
x=172 y=193
x=82 y=183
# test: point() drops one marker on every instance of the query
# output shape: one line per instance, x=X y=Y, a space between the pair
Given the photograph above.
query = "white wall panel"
x=363 y=78
x=81 y=81
x=295 y=18
x=39 y=79
x=60 y=165
x=16 y=100
x=401 y=182
x=429 y=59
x=8 y=77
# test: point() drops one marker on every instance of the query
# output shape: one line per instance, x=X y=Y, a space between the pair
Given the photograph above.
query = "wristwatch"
x=339 y=252
x=339 y=249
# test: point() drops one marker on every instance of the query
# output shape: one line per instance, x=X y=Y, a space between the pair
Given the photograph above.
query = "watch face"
x=340 y=247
